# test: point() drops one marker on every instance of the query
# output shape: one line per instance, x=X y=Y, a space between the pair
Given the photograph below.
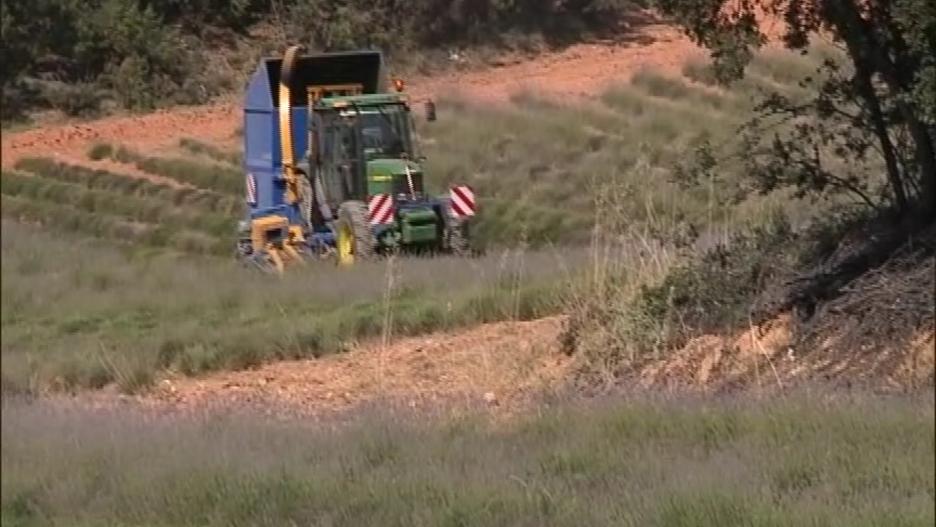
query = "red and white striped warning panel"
x=380 y=209
x=462 y=201
x=251 y=189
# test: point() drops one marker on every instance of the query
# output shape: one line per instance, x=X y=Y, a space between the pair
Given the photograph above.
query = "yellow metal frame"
x=285 y=128
x=281 y=247
x=260 y=230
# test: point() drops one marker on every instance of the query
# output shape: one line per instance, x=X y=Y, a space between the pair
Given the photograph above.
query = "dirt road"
x=500 y=366
x=507 y=367
x=578 y=71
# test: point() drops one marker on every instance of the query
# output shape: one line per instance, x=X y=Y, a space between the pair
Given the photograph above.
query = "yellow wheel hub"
x=345 y=245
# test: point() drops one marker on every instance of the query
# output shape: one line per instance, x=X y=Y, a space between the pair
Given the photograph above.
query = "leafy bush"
x=119 y=49
x=396 y=25
x=626 y=321
x=714 y=290
x=79 y=99
x=701 y=72
x=100 y=151
x=142 y=54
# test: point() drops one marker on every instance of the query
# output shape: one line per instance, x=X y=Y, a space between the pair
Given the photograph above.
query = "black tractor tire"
x=321 y=213
x=354 y=215
x=306 y=200
x=243 y=246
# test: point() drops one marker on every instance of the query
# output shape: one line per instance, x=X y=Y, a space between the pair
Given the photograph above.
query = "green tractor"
x=333 y=169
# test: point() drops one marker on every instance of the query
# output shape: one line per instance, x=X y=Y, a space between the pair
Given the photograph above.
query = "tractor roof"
x=373 y=99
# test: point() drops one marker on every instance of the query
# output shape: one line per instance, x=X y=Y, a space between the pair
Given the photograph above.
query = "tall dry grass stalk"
x=624 y=257
x=386 y=336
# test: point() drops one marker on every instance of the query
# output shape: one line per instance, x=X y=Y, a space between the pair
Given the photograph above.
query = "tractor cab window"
x=339 y=153
x=384 y=131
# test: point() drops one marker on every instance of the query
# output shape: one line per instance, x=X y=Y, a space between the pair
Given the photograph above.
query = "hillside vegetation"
x=150 y=285
x=862 y=127
x=636 y=214
x=84 y=56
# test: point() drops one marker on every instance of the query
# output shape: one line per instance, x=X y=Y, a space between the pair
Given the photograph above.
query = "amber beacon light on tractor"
x=332 y=168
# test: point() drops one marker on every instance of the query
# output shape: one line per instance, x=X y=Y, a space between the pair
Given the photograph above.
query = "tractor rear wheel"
x=307 y=200
x=354 y=238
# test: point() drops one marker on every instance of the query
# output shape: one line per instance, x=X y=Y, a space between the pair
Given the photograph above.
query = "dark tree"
x=881 y=103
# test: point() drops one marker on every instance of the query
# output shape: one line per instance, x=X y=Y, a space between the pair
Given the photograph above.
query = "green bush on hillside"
x=123 y=50
x=705 y=291
x=143 y=54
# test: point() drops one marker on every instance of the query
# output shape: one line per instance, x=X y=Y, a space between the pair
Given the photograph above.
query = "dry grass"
x=884 y=320
x=526 y=160
x=80 y=313
x=808 y=460
x=201 y=148
x=203 y=200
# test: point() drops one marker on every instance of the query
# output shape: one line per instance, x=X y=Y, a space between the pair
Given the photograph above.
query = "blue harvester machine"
x=332 y=169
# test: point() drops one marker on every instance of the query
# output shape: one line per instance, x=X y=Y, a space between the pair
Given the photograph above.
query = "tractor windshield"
x=384 y=131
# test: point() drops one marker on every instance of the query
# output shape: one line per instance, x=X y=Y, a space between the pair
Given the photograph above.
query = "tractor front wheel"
x=354 y=238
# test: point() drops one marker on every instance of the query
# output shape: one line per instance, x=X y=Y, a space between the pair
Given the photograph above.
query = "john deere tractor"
x=332 y=168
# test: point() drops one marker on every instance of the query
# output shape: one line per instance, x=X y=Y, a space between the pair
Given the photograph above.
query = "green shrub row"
x=119 y=230
x=140 y=209
x=214 y=177
x=200 y=148
x=104 y=180
x=144 y=54
x=220 y=177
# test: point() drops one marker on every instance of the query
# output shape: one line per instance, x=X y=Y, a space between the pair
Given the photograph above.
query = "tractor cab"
x=369 y=139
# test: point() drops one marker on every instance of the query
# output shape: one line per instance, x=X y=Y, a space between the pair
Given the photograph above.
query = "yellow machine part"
x=285 y=126
x=277 y=238
x=260 y=230
x=273 y=234
x=344 y=245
